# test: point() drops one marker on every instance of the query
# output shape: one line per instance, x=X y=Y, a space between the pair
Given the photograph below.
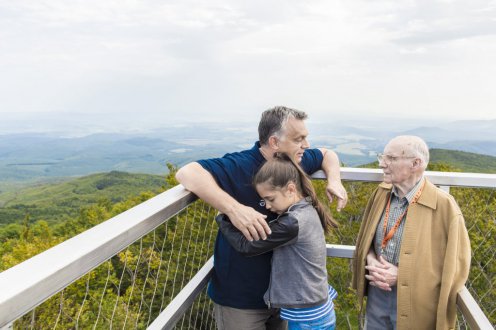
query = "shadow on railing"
x=139 y=281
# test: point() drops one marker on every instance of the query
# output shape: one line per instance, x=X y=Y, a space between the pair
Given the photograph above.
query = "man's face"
x=396 y=163
x=294 y=139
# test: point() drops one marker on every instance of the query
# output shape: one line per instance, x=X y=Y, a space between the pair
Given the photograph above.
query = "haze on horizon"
x=232 y=59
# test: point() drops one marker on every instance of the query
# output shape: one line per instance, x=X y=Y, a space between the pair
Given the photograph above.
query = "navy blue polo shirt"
x=238 y=281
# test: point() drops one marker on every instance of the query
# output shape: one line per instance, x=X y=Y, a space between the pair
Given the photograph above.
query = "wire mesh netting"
x=131 y=289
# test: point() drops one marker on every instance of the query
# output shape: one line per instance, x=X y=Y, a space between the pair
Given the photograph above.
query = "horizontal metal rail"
x=472 y=312
x=31 y=282
x=455 y=179
x=178 y=306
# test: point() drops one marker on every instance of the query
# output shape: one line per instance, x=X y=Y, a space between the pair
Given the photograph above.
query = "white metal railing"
x=28 y=284
x=477 y=180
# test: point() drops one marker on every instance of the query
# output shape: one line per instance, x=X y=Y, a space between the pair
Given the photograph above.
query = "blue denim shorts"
x=326 y=322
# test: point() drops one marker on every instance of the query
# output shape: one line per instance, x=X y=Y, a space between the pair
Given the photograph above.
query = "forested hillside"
x=55 y=203
x=465 y=161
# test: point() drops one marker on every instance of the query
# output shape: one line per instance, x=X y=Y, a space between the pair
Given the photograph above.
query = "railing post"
x=472 y=312
x=177 y=307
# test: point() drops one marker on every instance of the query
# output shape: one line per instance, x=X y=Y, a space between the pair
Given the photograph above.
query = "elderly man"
x=413 y=251
x=239 y=283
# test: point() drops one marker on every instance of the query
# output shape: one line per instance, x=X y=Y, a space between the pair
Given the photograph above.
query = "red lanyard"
x=389 y=235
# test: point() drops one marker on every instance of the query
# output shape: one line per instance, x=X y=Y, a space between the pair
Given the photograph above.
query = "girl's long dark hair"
x=281 y=170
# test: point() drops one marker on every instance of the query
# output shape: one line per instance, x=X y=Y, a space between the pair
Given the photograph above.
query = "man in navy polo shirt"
x=239 y=283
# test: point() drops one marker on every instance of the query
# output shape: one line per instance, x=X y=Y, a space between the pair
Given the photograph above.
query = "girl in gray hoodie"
x=298 y=280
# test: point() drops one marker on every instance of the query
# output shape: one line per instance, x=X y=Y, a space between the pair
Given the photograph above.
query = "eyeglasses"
x=388 y=159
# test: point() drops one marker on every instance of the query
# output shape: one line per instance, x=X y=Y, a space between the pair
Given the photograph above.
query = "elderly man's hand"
x=382 y=274
x=250 y=222
x=335 y=189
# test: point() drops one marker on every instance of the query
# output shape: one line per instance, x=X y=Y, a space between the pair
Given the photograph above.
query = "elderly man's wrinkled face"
x=396 y=162
x=294 y=139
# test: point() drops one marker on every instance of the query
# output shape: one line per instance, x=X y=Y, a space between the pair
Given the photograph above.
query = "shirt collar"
x=409 y=196
x=258 y=154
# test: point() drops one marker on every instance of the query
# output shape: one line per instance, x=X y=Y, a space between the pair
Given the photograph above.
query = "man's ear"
x=274 y=142
x=417 y=163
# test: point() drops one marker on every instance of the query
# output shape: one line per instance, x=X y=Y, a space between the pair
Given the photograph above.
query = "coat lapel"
x=379 y=205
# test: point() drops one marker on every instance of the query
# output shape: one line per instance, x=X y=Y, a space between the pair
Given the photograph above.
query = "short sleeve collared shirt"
x=398 y=205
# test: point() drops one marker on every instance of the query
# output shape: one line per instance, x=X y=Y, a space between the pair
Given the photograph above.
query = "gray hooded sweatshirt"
x=298 y=278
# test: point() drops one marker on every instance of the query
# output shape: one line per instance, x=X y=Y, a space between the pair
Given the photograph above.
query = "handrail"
x=178 y=306
x=472 y=312
x=31 y=282
x=465 y=179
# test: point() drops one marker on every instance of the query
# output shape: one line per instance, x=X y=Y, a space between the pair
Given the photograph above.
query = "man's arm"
x=331 y=167
x=200 y=182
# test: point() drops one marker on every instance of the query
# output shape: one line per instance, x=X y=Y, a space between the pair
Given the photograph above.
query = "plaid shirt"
x=398 y=205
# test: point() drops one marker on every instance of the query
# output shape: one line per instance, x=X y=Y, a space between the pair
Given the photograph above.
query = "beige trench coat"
x=434 y=258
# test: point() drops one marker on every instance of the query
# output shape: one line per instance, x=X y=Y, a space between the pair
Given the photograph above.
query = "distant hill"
x=59 y=201
x=29 y=157
x=459 y=160
x=465 y=161
x=469 y=130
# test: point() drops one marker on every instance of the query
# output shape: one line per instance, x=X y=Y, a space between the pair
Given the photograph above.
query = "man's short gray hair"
x=416 y=146
x=273 y=122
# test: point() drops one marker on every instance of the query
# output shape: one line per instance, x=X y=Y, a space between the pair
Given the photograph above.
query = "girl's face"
x=277 y=200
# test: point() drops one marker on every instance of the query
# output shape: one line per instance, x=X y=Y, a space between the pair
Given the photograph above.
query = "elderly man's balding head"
x=412 y=146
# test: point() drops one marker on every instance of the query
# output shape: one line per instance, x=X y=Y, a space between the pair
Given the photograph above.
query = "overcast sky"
x=230 y=58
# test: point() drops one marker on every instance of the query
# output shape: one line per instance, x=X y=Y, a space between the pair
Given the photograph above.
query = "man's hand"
x=335 y=189
x=250 y=222
x=382 y=274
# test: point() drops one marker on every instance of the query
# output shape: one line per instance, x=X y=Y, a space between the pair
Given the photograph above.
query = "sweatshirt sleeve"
x=284 y=231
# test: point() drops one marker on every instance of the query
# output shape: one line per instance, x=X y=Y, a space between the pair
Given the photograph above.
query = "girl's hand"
x=250 y=222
